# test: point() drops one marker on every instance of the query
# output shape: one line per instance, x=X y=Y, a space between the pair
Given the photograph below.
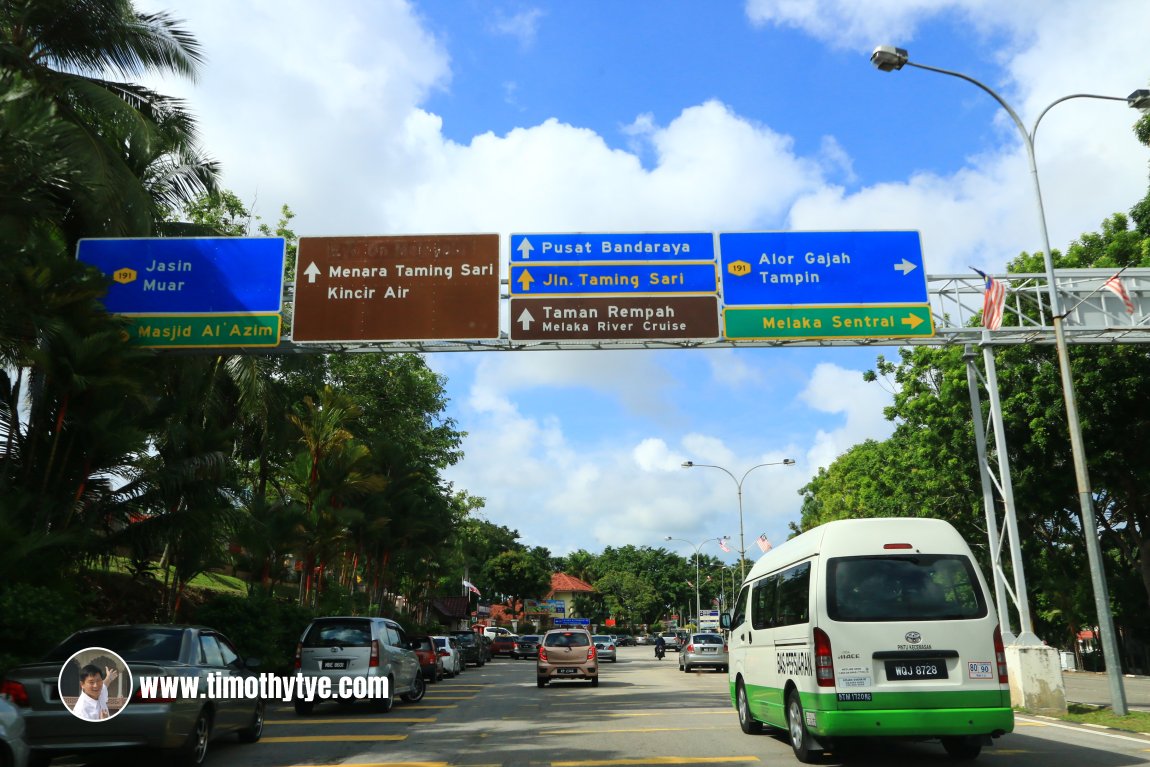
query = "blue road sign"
x=814 y=268
x=189 y=275
x=571 y=621
x=618 y=278
x=662 y=246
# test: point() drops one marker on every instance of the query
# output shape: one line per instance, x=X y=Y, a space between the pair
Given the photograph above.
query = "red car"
x=430 y=661
x=504 y=644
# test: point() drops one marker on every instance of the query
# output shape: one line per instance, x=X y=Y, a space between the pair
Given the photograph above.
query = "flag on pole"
x=993 y=301
x=723 y=545
x=764 y=544
x=471 y=587
x=1115 y=286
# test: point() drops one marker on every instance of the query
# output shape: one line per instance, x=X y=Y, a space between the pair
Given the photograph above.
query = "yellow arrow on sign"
x=913 y=320
x=525 y=280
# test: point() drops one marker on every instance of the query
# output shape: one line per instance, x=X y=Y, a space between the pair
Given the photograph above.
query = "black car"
x=526 y=646
x=471 y=647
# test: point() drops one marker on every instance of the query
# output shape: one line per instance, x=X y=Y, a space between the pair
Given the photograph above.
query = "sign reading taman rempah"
x=404 y=288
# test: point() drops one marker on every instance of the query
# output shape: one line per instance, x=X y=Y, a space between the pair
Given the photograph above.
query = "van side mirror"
x=725 y=620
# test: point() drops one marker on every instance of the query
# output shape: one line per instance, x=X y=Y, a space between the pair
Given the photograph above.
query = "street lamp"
x=739 y=489
x=888 y=58
x=698 y=603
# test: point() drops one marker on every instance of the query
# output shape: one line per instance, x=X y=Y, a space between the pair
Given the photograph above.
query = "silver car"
x=182 y=726
x=605 y=647
x=704 y=650
x=346 y=647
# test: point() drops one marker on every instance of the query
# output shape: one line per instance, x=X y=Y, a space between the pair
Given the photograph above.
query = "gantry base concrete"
x=1036 y=679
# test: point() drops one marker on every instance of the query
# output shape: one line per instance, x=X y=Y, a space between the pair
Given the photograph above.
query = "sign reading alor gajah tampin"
x=403 y=288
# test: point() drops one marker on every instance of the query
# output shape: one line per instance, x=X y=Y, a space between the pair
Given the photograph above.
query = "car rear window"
x=338 y=633
x=423 y=643
x=567 y=639
x=130 y=643
x=908 y=587
x=530 y=638
x=467 y=639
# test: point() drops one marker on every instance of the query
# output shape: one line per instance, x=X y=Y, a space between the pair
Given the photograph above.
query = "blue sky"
x=393 y=117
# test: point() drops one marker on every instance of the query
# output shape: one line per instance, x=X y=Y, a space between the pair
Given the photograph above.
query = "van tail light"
x=15 y=692
x=542 y=654
x=373 y=662
x=298 y=656
x=1000 y=656
x=824 y=662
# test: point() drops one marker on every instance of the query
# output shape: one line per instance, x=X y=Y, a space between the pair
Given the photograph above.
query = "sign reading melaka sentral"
x=403 y=288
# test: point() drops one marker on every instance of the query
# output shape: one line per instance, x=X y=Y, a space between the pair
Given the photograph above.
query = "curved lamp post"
x=739 y=488
x=698 y=604
x=888 y=58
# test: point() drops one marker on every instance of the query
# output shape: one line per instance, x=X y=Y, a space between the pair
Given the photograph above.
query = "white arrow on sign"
x=525 y=319
x=312 y=272
x=906 y=267
x=525 y=248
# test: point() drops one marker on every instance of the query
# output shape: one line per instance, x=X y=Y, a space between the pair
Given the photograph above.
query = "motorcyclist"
x=660 y=647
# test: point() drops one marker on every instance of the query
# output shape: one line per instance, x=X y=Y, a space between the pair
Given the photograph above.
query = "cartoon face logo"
x=913 y=637
x=124 y=276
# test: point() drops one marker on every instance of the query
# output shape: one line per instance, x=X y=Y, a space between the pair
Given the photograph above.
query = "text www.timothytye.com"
x=263 y=686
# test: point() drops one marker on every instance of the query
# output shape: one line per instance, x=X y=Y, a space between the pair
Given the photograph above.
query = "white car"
x=448 y=648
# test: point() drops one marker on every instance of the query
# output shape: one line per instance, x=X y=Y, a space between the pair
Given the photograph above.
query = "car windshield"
x=707 y=639
x=338 y=633
x=567 y=639
x=131 y=643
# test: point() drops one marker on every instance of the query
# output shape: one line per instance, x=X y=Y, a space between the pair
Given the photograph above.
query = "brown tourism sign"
x=397 y=288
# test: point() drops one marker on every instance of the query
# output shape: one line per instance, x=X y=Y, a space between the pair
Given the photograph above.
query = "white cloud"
x=523 y=26
x=833 y=389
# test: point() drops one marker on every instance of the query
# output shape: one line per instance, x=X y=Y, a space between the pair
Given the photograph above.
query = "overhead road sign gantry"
x=822 y=268
x=397 y=288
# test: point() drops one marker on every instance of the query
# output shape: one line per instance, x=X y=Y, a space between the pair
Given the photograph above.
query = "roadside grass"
x=1134 y=721
x=217 y=582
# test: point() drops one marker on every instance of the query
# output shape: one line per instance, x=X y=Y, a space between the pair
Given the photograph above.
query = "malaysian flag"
x=993 y=301
x=1115 y=286
x=471 y=587
x=764 y=544
x=723 y=545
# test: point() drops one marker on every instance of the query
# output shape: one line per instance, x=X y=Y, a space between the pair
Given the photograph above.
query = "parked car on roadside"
x=470 y=647
x=180 y=726
x=504 y=644
x=448 y=649
x=567 y=654
x=671 y=640
x=526 y=646
x=626 y=641
x=704 y=650
x=352 y=646
x=430 y=661
x=605 y=647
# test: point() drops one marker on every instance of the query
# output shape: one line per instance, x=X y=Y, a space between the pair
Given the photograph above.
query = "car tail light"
x=591 y=652
x=138 y=697
x=824 y=663
x=374 y=660
x=725 y=647
x=445 y=653
x=691 y=647
x=15 y=692
x=298 y=655
x=542 y=654
x=1000 y=656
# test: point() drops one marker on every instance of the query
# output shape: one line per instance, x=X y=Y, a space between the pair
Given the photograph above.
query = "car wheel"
x=304 y=707
x=196 y=747
x=418 y=688
x=801 y=742
x=962 y=747
x=386 y=703
x=541 y=682
x=594 y=681
x=748 y=723
x=252 y=734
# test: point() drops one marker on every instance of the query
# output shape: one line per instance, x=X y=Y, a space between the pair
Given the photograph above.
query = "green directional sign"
x=204 y=330
x=789 y=322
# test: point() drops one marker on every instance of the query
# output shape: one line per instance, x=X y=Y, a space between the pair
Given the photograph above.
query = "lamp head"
x=688 y=464
x=668 y=538
x=888 y=58
x=1139 y=99
x=788 y=462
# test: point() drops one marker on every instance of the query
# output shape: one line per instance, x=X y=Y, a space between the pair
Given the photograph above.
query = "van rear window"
x=905 y=587
x=339 y=633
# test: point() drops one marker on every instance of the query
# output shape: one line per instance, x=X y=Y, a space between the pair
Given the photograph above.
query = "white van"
x=865 y=628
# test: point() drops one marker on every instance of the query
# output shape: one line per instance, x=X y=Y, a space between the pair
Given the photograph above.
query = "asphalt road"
x=644 y=712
